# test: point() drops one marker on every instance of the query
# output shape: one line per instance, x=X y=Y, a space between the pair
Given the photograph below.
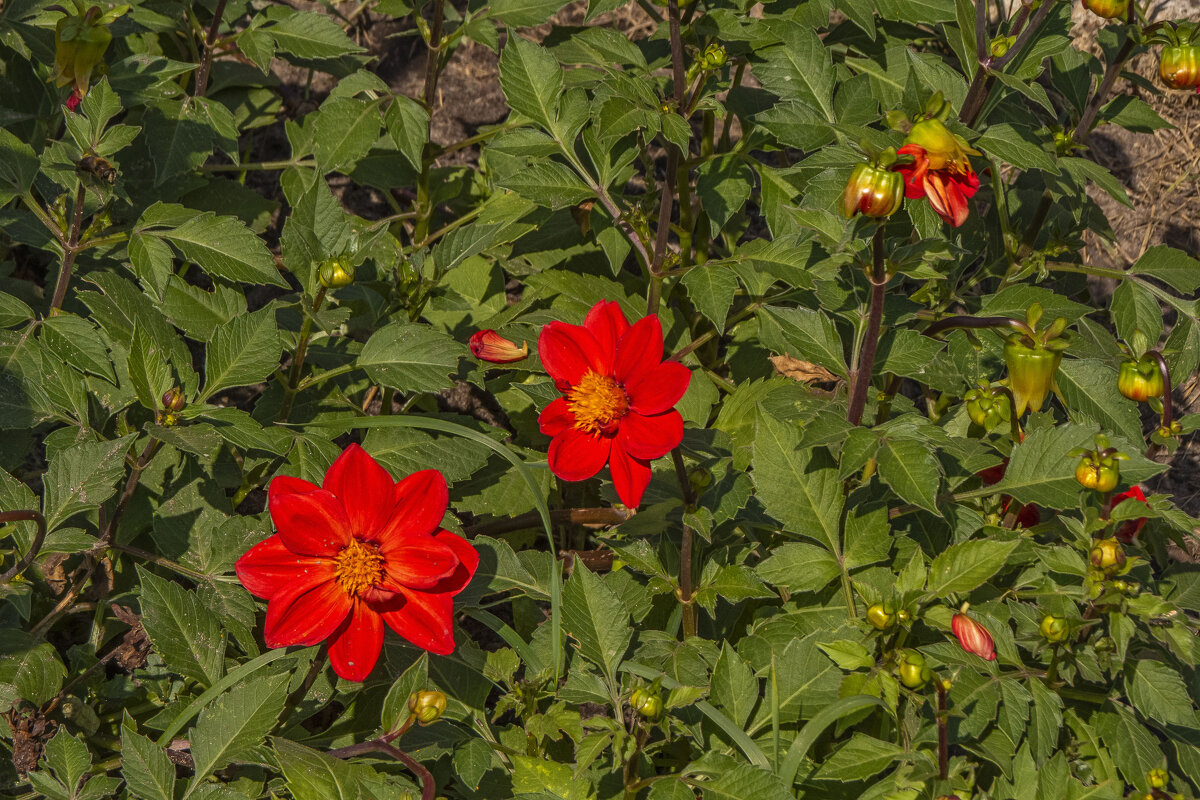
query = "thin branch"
x=866 y=360
x=209 y=41
x=70 y=250
x=24 y=516
x=565 y=516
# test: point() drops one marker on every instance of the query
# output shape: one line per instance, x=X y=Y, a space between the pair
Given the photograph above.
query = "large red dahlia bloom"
x=947 y=188
x=618 y=398
x=354 y=553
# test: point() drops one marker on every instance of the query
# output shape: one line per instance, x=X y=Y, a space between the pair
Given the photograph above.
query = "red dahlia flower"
x=1130 y=528
x=973 y=637
x=618 y=398
x=940 y=170
x=354 y=553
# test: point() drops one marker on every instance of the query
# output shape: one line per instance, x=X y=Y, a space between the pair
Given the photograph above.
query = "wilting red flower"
x=940 y=170
x=491 y=346
x=1130 y=528
x=1028 y=515
x=354 y=553
x=973 y=637
x=618 y=398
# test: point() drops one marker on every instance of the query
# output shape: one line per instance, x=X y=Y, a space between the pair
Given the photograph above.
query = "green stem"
x=293 y=383
x=861 y=377
x=70 y=250
x=210 y=40
x=36 y=545
x=685 y=548
x=259 y=166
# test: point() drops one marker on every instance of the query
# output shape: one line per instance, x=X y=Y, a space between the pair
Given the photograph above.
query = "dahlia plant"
x=666 y=400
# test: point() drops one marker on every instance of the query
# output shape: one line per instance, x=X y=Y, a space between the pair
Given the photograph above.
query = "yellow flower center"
x=358 y=567
x=597 y=402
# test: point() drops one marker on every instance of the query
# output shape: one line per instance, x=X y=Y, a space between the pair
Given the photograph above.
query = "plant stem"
x=206 y=59
x=433 y=62
x=293 y=384
x=24 y=516
x=258 y=166
x=1088 y=118
x=943 y=733
x=1168 y=402
x=380 y=745
x=561 y=516
x=685 y=548
x=861 y=377
x=161 y=561
x=70 y=250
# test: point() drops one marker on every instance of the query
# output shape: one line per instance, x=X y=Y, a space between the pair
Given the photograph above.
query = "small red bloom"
x=491 y=346
x=74 y=100
x=354 y=553
x=1028 y=515
x=973 y=637
x=1130 y=528
x=618 y=398
x=947 y=189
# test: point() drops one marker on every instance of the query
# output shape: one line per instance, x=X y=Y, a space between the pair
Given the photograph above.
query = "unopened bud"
x=879 y=617
x=427 y=706
x=173 y=400
x=1157 y=778
x=646 y=703
x=336 y=273
x=1108 y=556
x=487 y=345
x=1053 y=629
x=973 y=637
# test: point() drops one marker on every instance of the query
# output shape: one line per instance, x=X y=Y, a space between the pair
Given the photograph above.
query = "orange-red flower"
x=940 y=170
x=1130 y=528
x=488 y=345
x=973 y=637
x=355 y=553
x=618 y=398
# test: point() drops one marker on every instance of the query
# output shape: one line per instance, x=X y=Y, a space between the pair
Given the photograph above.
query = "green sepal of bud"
x=646 y=703
x=1054 y=629
x=427 y=706
x=336 y=272
x=1001 y=45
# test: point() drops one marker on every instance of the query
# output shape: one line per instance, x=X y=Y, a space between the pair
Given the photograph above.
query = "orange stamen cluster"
x=359 y=567
x=597 y=401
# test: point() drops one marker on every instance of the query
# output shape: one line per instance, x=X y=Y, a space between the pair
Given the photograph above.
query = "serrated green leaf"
x=243 y=352
x=595 y=617
x=967 y=565
x=411 y=357
x=181 y=629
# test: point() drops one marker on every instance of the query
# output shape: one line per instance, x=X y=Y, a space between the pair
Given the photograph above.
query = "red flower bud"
x=872 y=191
x=491 y=346
x=1130 y=528
x=973 y=637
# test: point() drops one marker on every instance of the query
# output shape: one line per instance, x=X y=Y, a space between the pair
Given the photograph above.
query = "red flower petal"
x=630 y=476
x=914 y=173
x=658 y=389
x=311 y=523
x=576 y=455
x=305 y=613
x=468 y=562
x=426 y=620
x=568 y=352
x=420 y=503
x=650 y=437
x=487 y=345
x=607 y=323
x=355 y=646
x=556 y=417
x=945 y=198
x=269 y=566
x=640 y=349
x=418 y=562
x=364 y=489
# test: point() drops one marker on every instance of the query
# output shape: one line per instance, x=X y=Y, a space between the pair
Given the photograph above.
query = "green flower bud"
x=1053 y=629
x=880 y=617
x=646 y=703
x=336 y=273
x=427 y=706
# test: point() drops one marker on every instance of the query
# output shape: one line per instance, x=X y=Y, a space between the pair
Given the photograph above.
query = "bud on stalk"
x=336 y=272
x=872 y=191
x=1140 y=380
x=646 y=703
x=913 y=672
x=80 y=41
x=427 y=706
x=1108 y=556
x=973 y=637
x=1053 y=629
x=880 y=617
x=1108 y=9
x=487 y=345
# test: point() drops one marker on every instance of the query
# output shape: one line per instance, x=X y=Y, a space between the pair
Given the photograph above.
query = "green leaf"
x=411 y=357
x=532 y=80
x=858 y=759
x=1017 y=145
x=744 y=782
x=806 y=334
x=734 y=689
x=188 y=638
x=243 y=352
x=711 y=287
x=799 y=567
x=233 y=726
x=30 y=666
x=225 y=248
x=1041 y=471
x=597 y=619
x=909 y=467
x=813 y=729
x=524 y=13
x=313 y=775
x=82 y=477
x=1173 y=267
x=798 y=487
x=724 y=185
x=548 y=184
x=343 y=131
x=307 y=34
x=967 y=565
x=408 y=124
x=1159 y=693
x=1090 y=389
x=395 y=705
x=77 y=342
x=1134 y=308
x=799 y=69
x=18 y=166
x=148 y=773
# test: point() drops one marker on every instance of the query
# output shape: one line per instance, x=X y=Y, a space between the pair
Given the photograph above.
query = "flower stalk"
x=686 y=545
x=70 y=250
x=293 y=383
x=35 y=546
x=209 y=44
x=860 y=378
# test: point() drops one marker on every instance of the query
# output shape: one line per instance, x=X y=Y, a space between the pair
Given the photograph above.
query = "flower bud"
x=1157 y=778
x=1179 y=66
x=1108 y=9
x=427 y=706
x=487 y=345
x=1108 y=556
x=873 y=192
x=973 y=637
x=80 y=41
x=714 y=57
x=1097 y=472
x=1140 y=380
x=1031 y=372
x=988 y=407
x=880 y=617
x=336 y=272
x=903 y=617
x=1053 y=629
x=1001 y=45
x=173 y=400
x=913 y=672
x=646 y=703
